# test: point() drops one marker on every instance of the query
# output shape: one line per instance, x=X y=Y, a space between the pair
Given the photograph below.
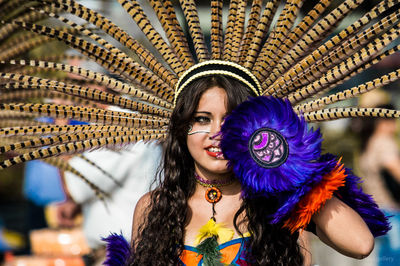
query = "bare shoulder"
x=140 y=213
x=143 y=202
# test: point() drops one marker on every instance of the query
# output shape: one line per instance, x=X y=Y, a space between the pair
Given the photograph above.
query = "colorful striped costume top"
x=233 y=253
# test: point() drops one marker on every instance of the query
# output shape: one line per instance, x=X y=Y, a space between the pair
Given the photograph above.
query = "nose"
x=215 y=130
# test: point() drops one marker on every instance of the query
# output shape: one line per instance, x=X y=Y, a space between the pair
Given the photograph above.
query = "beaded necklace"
x=212 y=232
x=213 y=193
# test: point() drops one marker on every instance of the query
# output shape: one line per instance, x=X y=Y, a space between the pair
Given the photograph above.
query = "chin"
x=216 y=167
x=221 y=171
x=219 y=164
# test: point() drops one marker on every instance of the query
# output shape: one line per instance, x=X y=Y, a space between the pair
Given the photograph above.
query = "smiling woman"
x=204 y=147
x=198 y=184
x=233 y=120
x=192 y=158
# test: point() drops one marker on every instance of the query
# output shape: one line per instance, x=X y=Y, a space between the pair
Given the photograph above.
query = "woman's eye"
x=201 y=119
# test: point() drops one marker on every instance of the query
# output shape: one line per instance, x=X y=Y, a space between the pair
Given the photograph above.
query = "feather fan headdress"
x=298 y=62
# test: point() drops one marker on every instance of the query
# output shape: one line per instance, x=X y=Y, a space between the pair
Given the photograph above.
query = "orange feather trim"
x=316 y=198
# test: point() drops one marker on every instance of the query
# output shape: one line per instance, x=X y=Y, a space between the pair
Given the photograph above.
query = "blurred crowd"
x=67 y=219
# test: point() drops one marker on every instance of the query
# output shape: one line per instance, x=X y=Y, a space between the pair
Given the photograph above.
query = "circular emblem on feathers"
x=268 y=148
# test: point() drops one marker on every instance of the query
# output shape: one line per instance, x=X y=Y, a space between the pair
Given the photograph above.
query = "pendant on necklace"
x=213 y=195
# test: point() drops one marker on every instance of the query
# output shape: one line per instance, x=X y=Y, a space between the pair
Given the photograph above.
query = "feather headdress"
x=296 y=61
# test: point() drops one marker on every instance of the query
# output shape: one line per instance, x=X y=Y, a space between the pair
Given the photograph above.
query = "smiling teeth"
x=213 y=149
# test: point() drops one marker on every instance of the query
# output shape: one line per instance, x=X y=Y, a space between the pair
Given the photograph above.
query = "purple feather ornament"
x=291 y=198
x=118 y=250
x=304 y=146
x=274 y=154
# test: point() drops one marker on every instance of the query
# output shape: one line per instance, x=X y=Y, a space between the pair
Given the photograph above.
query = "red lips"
x=213 y=154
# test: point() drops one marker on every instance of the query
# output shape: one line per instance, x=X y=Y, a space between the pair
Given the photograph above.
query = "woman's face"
x=206 y=123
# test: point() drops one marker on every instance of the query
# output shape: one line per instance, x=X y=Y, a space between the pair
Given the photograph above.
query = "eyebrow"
x=202 y=112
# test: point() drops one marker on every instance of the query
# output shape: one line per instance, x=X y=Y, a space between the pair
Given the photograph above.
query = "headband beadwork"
x=218 y=67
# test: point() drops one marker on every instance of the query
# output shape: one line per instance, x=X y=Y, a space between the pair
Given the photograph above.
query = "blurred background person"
x=379 y=164
x=132 y=170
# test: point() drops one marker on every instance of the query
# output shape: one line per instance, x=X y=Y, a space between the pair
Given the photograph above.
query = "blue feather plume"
x=288 y=203
x=303 y=168
x=304 y=146
x=117 y=250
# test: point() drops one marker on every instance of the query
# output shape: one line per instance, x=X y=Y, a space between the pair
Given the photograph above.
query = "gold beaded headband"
x=218 y=67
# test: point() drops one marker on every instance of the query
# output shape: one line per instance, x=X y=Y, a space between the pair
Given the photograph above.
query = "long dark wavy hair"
x=160 y=237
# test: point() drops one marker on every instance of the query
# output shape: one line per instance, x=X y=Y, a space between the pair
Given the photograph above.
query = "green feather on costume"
x=209 y=248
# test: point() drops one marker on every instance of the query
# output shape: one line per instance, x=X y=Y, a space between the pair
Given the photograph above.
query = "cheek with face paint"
x=198 y=130
x=206 y=153
x=203 y=140
x=200 y=125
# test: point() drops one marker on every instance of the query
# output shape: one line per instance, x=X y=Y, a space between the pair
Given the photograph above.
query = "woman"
x=172 y=215
x=285 y=60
